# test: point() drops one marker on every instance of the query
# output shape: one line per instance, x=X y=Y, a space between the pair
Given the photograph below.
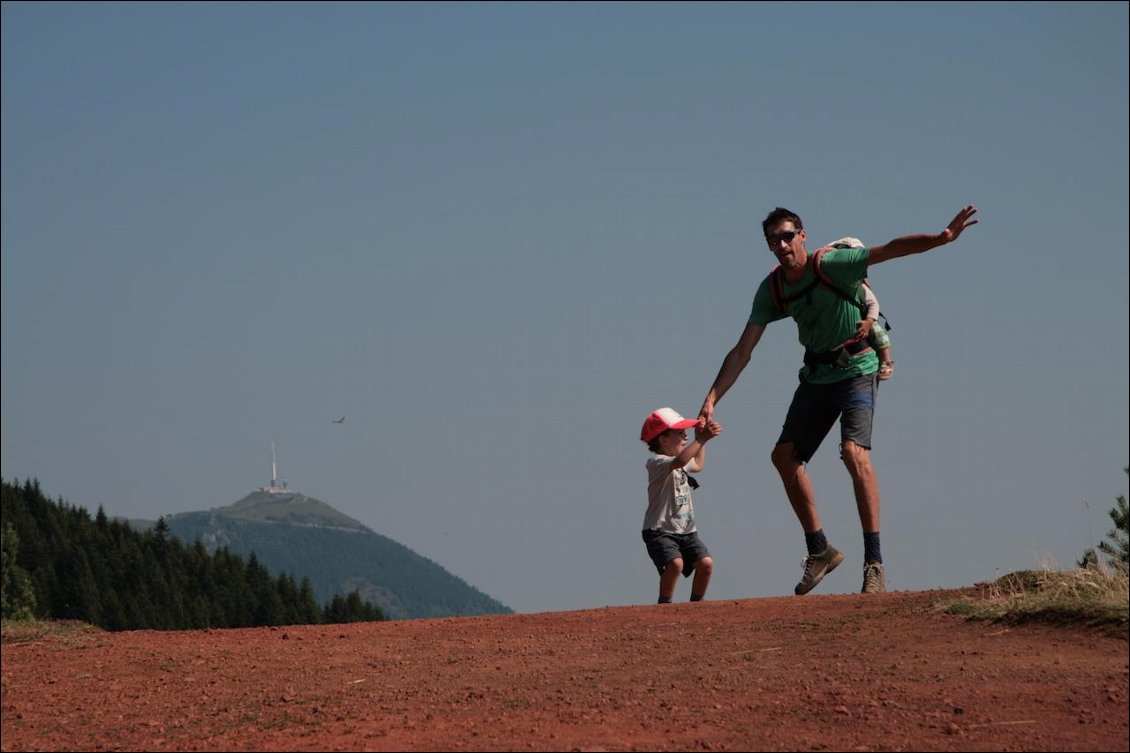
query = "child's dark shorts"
x=664 y=547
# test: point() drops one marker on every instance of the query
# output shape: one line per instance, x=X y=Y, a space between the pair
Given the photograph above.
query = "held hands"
x=958 y=224
x=706 y=430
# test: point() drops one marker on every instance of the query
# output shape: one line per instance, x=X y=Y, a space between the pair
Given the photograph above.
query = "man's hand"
x=959 y=223
x=863 y=328
x=917 y=244
x=706 y=430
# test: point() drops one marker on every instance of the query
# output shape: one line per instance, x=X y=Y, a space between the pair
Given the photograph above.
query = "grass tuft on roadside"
x=26 y=631
x=1087 y=596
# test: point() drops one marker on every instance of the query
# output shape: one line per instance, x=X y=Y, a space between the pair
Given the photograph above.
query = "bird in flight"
x=339 y=420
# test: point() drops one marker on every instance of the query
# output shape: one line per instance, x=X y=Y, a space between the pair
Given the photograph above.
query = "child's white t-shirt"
x=669 y=505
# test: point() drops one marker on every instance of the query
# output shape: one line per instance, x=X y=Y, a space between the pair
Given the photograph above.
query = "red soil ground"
x=843 y=673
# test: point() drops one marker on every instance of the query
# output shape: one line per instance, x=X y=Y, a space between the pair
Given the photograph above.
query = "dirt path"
x=815 y=673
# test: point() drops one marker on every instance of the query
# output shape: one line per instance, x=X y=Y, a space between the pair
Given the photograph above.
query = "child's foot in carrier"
x=886 y=370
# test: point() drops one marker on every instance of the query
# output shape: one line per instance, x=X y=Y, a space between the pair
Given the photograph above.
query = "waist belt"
x=840 y=356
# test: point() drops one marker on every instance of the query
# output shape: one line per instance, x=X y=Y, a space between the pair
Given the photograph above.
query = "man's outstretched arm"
x=917 y=244
x=732 y=367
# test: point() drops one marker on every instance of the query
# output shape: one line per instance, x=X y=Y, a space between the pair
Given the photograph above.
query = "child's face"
x=673 y=441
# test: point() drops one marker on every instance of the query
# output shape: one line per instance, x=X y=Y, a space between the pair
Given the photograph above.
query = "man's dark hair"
x=780 y=214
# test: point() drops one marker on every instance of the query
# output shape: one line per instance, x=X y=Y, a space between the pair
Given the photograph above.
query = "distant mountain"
x=293 y=533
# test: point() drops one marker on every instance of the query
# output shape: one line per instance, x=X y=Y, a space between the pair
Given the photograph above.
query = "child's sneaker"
x=886 y=370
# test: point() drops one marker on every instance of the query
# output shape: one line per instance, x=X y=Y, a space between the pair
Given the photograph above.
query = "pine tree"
x=1117 y=547
x=18 y=597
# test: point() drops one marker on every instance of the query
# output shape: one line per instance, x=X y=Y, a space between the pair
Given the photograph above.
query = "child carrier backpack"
x=841 y=354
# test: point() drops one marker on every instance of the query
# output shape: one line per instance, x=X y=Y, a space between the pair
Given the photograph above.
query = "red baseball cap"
x=662 y=420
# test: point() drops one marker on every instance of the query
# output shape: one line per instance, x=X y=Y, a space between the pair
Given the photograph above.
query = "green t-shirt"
x=823 y=319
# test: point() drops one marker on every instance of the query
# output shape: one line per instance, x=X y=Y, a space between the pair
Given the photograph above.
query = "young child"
x=669 y=529
x=877 y=337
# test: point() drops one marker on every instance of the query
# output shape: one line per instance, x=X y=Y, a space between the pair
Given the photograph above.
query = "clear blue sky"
x=496 y=236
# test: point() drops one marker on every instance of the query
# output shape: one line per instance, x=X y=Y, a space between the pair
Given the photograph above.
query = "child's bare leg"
x=703 y=569
x=668 y=579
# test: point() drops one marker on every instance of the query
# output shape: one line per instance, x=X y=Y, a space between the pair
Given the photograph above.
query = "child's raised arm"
x=703 y=433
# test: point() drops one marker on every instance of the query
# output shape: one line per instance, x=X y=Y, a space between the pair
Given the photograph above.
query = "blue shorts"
x=816 y=407
x=664 y=547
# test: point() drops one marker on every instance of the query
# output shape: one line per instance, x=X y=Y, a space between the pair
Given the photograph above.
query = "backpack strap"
x=781 y=302
x=828 y=282
x=818 y=266
x=777 y=290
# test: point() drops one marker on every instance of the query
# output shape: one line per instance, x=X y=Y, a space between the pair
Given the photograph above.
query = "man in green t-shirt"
x=838 y=380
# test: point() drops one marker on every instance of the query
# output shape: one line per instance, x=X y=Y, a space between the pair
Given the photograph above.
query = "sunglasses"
x=786 y=236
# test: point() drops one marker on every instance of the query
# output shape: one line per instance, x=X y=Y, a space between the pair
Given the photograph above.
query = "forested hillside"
x=59 y=563
x=308 y=539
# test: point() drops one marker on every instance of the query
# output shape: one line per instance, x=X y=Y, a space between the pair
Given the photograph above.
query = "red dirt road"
x=840 y=673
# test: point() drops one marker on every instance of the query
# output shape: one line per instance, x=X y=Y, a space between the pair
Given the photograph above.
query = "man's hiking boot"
x=874 y=581
x=816 y=566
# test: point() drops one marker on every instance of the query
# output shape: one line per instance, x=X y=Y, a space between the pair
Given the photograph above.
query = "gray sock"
x=871 y=550
x=815 y=542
